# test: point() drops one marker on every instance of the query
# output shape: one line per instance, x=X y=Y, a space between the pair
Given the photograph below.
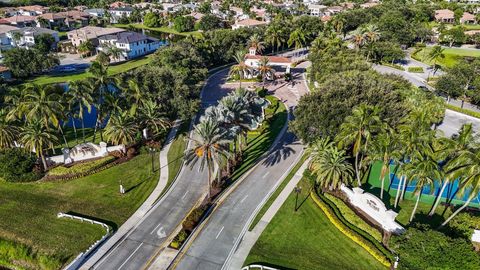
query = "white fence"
x=75 y=264
x=258 y=266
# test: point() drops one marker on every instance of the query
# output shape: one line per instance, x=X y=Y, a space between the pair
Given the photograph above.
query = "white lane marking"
x=243 y=199
x=265 y=175
x=156 y=227
x=218 y=234
x=130 y=256
x=183 y=197
x=161 y=233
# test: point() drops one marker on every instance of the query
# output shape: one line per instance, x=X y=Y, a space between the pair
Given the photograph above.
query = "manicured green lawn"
x=260 y=140
x=175 y=153
x=306 y=239
x=159 y=29
x=112 y=70
x=452 y=56
x=29 y=210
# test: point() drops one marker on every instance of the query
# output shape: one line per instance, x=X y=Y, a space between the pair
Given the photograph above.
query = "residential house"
x=248 y=23
x=5 y=41
x=253 y=60
x=316 y=10
x=117 y=13
x=21 y=21
x=444 y=16
x=91 y=33
x=28 y=36
x=196 y=15
x=70 y=19
x=132 y=44
x=118 y=4
x=95 y=12
x=467 y=18
x=5 y=73
x=32 y=10
x=333 y=10
x=238 y=13
x=8 y=11
x=369 y=5
x=326 y=18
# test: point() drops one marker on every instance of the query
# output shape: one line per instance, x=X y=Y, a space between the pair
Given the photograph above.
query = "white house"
x=95 y=12
x=316 y=10
x=132 y=44
x=28 y=35
x=5 y=41
x=32 y=10
x=117 y=13
x=253 y=60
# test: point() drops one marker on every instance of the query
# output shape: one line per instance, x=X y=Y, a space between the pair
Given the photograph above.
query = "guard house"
x=252 y=59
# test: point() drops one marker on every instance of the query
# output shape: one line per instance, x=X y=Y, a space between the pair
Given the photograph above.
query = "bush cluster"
x=13 y=255
x=358 y=236
x=464 y=111
x=16 y=165
x=80 y=168
x=415 y=69
x=192 y=220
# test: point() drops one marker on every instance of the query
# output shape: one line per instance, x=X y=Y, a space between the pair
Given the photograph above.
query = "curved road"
x=223 y=230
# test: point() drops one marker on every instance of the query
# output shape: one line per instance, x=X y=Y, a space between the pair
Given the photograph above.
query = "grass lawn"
x=112 y=70
x=260 y=140
x=159 y=29
x=175 y=153
x=29 y=210
x=452 y=56
x=306 y=239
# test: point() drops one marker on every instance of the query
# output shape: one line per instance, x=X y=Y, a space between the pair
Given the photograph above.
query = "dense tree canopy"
x=26 y=62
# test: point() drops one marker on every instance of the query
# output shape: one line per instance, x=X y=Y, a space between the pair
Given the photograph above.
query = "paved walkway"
x=251 y=237
x=144 y=208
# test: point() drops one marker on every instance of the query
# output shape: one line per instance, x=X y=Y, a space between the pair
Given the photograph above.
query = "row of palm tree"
x=221 y=134
x=34 y=116
x=242 y=70
x=366 y=36
x=421 y=157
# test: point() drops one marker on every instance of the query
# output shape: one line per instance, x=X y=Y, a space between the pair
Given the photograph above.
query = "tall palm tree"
x=275 y=36
x=358 y=38
x=371 y=35
x=255 y=41
x=383 y=148
x=79 y=98
x=357 y=130
x=237 y=115
x=86 y=48
x=449 y=149
x=338 y=24
x=435 y=55
x=8 y=130
x=241 y=68
x=209 y=147
x=114 y=52
x=265 y=69
x=425 y=170
x=152 y=118
x=35 y=137
x=330 y=165
x=468 y=169
x=121 y=129
x=297 y=38
x=101 y=82
x=135 y=94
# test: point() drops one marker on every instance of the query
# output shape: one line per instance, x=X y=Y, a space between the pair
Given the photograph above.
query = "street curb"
x=224 y=195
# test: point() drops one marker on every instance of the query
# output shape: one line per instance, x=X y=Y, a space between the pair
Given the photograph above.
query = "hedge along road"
x=216 y=242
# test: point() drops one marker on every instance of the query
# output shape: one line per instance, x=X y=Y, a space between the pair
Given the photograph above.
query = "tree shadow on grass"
x=112 y=224
x=133 y=187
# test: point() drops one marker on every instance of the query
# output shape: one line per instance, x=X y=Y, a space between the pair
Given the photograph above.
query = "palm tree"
x=209 y=147
x=435 y=55
x=255 y=42
x=121 y=129
x=424 y=169
x=383 y=148
x=79 y=98
x=135 y=95
x=449 y=150
x=330 y=165
x=467 y=167
x=338 y=24
x=275 y=36
x=371 y=35
x=86 y=48
x=101 y=81
x=357 y=129
x=35 y=137
x=114 y=52
x=358 y=38
x=241 y=68
x=237 y=115
x=152 y=118
x=8 y=130
x=296 y=38
x=265 y=69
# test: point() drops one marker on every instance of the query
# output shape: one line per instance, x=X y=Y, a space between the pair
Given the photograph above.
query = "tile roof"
x=250 y=22
x=273 y=59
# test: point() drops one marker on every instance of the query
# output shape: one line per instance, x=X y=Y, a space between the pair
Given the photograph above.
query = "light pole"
x=297 y=191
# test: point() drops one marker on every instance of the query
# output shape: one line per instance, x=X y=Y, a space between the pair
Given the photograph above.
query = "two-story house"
x=132 y=44
x=117 y=13
x=26 y=37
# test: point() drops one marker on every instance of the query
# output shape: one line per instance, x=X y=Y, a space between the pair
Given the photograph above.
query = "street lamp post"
x=297 y=191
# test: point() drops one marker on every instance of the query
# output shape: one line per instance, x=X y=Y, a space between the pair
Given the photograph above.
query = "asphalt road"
x=148 y=237
x=212 y=247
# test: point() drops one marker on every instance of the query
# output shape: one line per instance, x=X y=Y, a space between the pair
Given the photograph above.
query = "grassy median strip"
x=175 y=153
x=277 y=192
x=309 y=238
x=32 y=208
x=464 y=111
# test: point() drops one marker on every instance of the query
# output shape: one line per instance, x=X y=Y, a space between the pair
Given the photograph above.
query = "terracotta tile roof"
x=4 y=68
x=250 y=22
x=20 y=18
x=444 y=14
x=273 y=59
x=326 y=18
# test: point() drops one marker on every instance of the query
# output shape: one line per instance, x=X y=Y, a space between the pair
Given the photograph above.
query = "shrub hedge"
x=81 y=167
x=415 y=69
x=354 y=219
x=464 y=111
x=19 y=256
x=395 y=66
x=16 y=165
x=360 y=237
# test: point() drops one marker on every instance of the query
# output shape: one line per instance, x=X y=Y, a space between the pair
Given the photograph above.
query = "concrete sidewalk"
x=251 y=237
x=144 y=208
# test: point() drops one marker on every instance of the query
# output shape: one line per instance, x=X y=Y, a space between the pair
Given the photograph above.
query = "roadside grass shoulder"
x=176 y=152
x=306 y=239
x=452 y=56
x=463 y=110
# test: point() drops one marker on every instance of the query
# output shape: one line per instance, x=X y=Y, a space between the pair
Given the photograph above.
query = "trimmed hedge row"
x=358 y=236
x=81 y=167
x=395 y=66
x=464 y=111
x=415 y=69
x=80 y=175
